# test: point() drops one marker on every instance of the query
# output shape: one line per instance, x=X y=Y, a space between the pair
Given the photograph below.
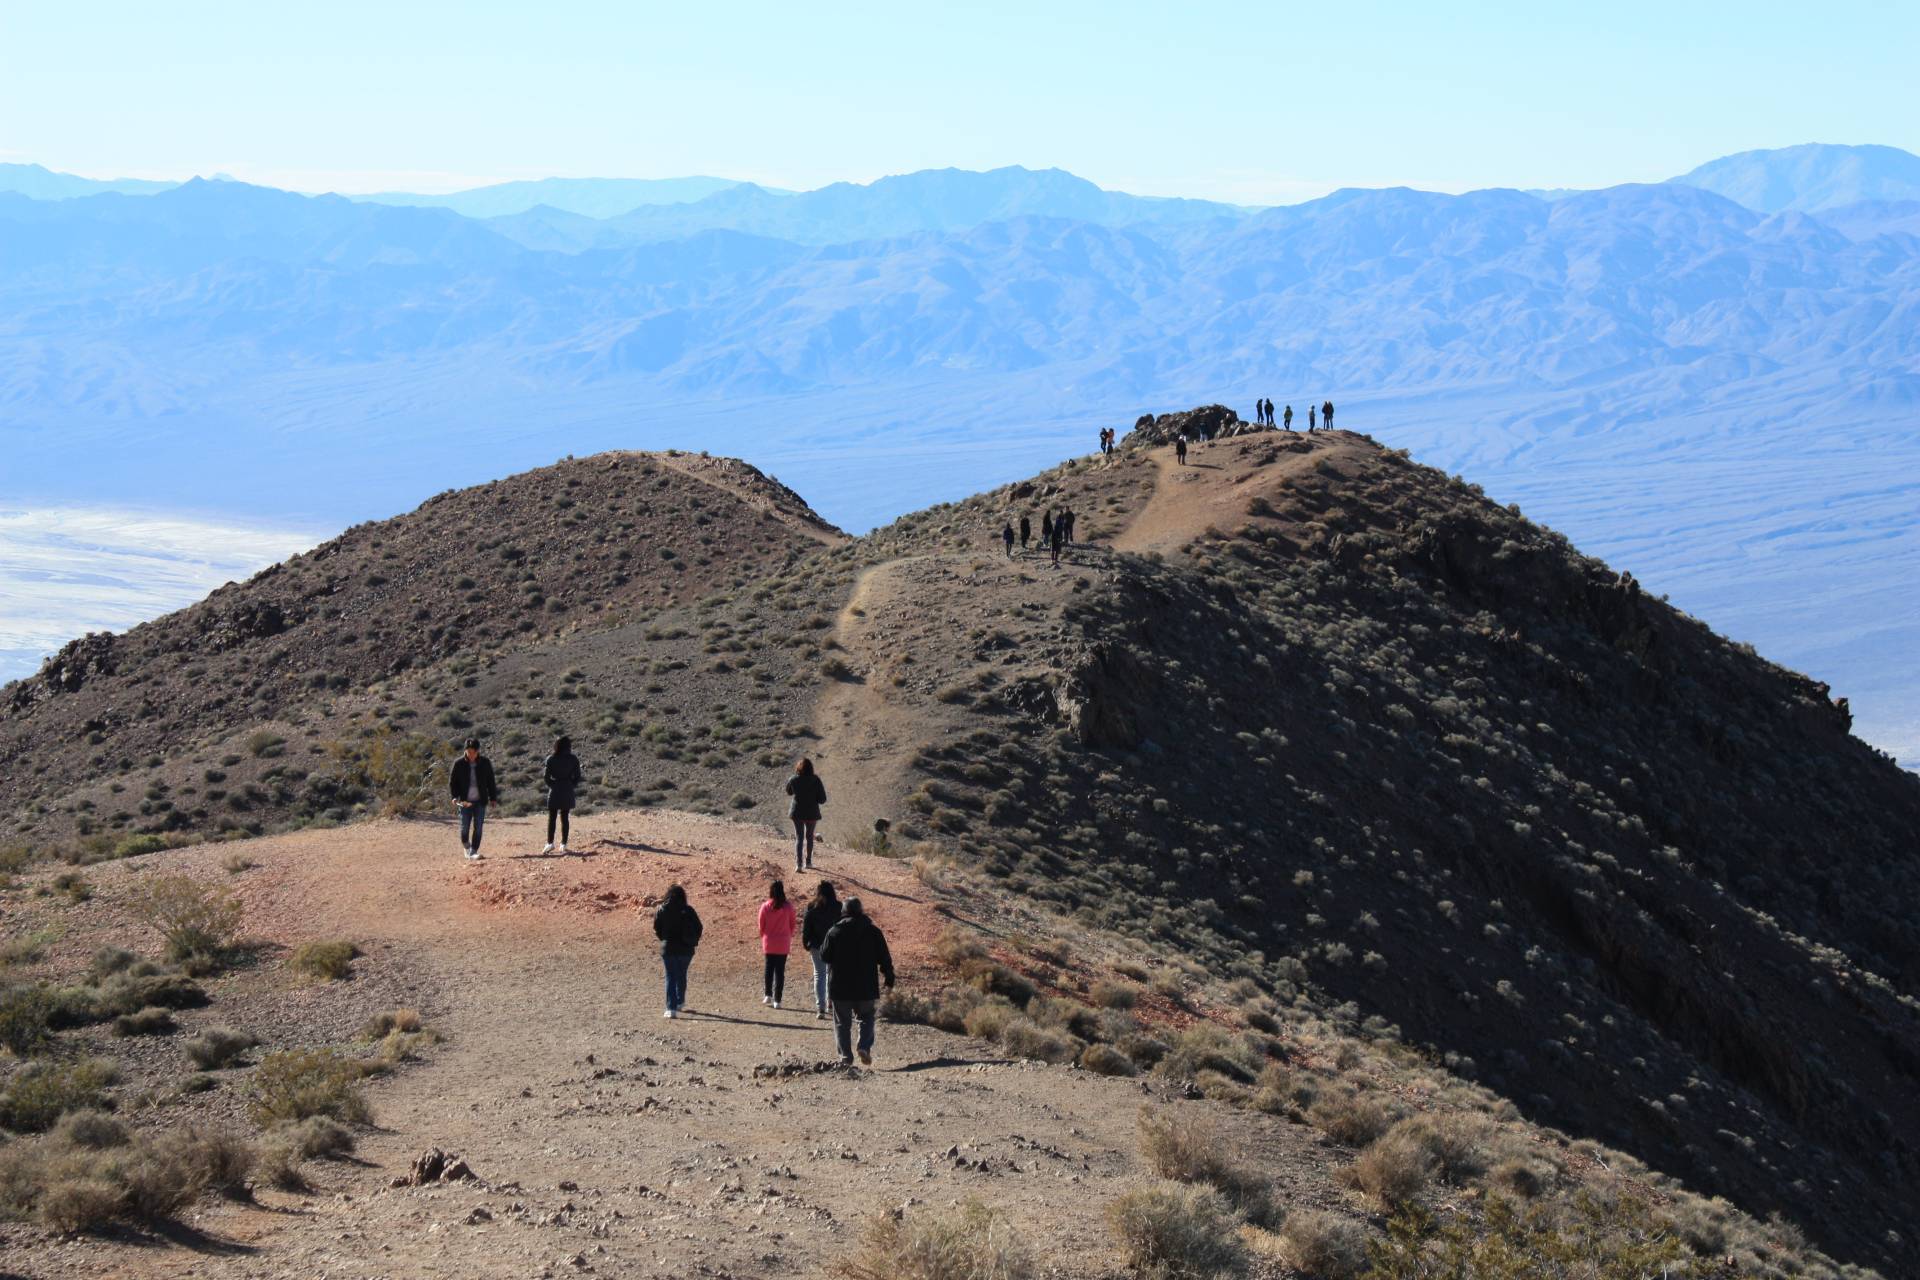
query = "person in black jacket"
x=678 y=927
x=857 y=957
x=473 y=789
x=562 y=776
x=1026 y=534
x=808 y=793
x=822 y=914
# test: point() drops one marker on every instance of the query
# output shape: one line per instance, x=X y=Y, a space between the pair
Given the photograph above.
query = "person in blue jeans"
x=822 y=914
x=473 y=788
x=857 y=958
x=677 y=925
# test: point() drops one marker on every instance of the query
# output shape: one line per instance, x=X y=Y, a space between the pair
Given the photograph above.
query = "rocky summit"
x=1313 y=854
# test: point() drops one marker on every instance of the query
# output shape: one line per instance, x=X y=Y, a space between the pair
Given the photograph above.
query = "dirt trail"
x=609 y=1141
x=1215 y=485
x=866 y=738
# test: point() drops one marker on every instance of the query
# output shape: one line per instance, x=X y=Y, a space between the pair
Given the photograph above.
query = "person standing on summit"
x=562 y=777
x=1288 y=417
x=1026 y=534
x=808 y=793
x=857 y=958
x=473 y=789
x=1326 y=415
x=1309 y=419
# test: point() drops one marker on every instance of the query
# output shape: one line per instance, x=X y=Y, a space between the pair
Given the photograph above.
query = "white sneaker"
x=667 y=1014
x=549 y=849
x=472 y=854
x=776 y=1004
x=766 y=999
x=563 y=847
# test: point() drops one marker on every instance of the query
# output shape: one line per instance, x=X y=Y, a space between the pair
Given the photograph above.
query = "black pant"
x=555 y=811
x=776 y=977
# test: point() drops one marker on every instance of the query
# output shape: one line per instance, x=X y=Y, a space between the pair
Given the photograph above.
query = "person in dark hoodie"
x=808 y=793
x=677 y=925
x=822 y=914
x=562 y=776
x=857 y=958
x=473 y=788
x=1026 y=534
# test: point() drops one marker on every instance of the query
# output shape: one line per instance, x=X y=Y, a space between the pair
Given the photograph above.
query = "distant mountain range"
x=587 y=197
x=38 y=183
x=1719 y=396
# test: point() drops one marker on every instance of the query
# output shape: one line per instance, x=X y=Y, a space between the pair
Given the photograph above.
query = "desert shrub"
x=75 y=886
x=1132 y=969
x=279 y=1166
x=971 y=1242
x=398 y=1047
x=41 y=1092
x=328 y=961
x=1105 y=1060
x=93 y=1130
x=317 y=1136
x=1115 y=995
x=1168 y=1231
x=150 y=1021
x=403 y=770
x=194 y=918
x=1188 y=1148
x=1350 y=1119
x=990 y=1017
x=1025 y=1038
x=1457 y=1141
x=79 y=1201
x=1323 y=1246
x=218 y=1047
x=1206 y=1047
x=108 y=961
x=383 y=1024
x=308 y=1082
x=138 y=846
x=1392 y=1170
x=1144 y=1049
x=134 y=989
x=1065 y=1014
x=237 y=862
x=265 y=744
x=211 y=1159
x=26 y=1016
x=1522 y=1178
x=1618 y=1241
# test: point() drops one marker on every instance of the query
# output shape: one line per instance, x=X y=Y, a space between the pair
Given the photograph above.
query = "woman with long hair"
x=823 y=912
x=808 y=793
x=562 y=776
x=776 y=939
x=677 y=925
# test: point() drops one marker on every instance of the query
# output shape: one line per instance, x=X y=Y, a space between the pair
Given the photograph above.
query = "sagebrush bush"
x=218 y=1047
x=1186 y=1147
x=26 y=1012
x=1324 y=1246
x=150 y=1021
x=95 y=1130
x=1025 y=1038
x=41 y=1092
x=1170 y=1231
x=308 y=1082
x=1350 y=1119
x=1115 y=995
x=195 y=918
x=383 y=1024
x=1392 y=1170
x=1104 y=1059
x=329 y=961
x=1206 y=1047
x=971 y=1242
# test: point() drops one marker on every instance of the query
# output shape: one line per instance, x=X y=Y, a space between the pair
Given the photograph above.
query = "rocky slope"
x=1304 y=712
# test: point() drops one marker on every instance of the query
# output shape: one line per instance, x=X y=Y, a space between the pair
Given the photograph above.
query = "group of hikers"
x=849 y=951
x=1263 y=415
x=1056 y=531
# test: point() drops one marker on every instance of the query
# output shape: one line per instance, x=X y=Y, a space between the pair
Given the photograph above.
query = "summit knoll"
x=1375 y=754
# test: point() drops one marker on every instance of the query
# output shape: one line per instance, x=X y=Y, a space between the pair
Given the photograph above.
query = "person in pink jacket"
x=776 y=939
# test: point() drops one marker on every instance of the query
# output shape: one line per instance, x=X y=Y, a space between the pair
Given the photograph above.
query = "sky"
x=1258 y=102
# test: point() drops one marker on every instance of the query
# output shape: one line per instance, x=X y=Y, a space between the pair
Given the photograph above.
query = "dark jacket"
x=808 y=793
x=820 y=918
x=457 y=781
x=562 y=776
x=855 y=950
x=678 y=928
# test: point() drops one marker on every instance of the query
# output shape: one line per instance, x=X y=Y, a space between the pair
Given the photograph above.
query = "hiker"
x=808 y=793
x=856 y=956
x=1006 y=536
x=473 y=789
x=1053 y=542
x=822 y=914
x=1326 y=415
x=1309 y=419
x=776 y=939
x=1026 y=533
x=677 y=925
x=1068 y=516
x=1288 y=417
x=562 y=776
x=1046 y=527
x=1180 y=448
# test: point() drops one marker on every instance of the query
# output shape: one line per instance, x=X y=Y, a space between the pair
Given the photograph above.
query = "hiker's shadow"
x=935 y=1064
x=816 y=1025
x=544 y=857
x=641 y=846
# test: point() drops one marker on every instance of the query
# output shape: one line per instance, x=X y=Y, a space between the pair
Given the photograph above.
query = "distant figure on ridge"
x=857 y=957
x=1054 y=537
x=1309 y=419
x=808 y=793
x=678 y=927
x=1064 y=526
x=562 y=777
x=776 y=940
x=473 y=788
x=1046 y=527
x=1289 y=417
x=1326 y=415
x=1180 y=448
x=1026 y=534
x=822 y=914
x=1006 y=536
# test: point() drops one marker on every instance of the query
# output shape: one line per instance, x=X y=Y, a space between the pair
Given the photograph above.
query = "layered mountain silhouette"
x=1599 y=357
x=1307 y=711
x=1810 y=178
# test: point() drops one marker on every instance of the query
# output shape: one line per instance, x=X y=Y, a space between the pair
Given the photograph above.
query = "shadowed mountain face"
x=1311 y=713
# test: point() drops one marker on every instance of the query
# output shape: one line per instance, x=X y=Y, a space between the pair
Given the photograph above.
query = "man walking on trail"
x=473 y=788
x=1026 y=533
x=1289 y=417
x=857 y=958
x=1326 y=415
x=1180 y=448
x=1006 y=536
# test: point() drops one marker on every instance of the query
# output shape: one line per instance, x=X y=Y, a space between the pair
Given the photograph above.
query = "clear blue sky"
x=1257 y=102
